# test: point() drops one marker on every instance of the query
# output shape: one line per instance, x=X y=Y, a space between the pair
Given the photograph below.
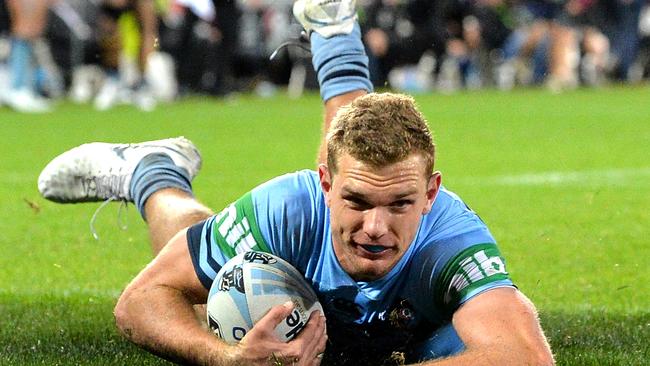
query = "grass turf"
x=563 y=182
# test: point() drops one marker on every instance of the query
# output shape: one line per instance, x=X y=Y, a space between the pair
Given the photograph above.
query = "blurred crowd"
x=145 y=52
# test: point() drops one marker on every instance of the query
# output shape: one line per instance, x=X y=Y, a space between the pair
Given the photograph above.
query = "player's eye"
x=357 y=203
x=401 y=204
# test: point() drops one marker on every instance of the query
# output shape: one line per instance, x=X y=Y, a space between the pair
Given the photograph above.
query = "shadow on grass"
x=39 y=330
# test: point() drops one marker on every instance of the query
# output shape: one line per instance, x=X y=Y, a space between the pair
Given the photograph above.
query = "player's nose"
x=375 y=223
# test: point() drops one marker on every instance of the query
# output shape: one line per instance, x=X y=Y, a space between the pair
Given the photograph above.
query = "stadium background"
x=222 y=47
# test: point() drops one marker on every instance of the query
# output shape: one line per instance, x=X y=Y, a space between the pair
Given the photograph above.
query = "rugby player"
x=28 y=20
x=405 y=271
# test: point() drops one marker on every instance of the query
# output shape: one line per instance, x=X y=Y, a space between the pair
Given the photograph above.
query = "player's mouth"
x=374 y=248
x=372 y=251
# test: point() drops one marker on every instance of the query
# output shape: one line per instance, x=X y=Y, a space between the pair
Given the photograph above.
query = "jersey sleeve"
x=471 y=272
x=459 y=260
x=458 y=270
x=275 y=217
x=214 y=241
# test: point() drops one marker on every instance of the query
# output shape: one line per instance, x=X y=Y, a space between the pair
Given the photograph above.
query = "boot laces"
x=121 y=220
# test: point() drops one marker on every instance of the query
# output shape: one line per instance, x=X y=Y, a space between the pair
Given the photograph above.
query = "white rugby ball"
x=248 y=286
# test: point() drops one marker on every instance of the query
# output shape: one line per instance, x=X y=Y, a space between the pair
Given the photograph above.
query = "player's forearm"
x=494 y=356
x=499 y=327
x=162 y=321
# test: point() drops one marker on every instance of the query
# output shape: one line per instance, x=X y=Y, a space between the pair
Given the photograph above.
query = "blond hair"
x=380 y=129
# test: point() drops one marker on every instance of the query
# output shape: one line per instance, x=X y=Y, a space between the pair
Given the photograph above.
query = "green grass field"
x=563 y=181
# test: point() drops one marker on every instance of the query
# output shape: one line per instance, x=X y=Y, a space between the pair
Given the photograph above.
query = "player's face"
x=375 y=213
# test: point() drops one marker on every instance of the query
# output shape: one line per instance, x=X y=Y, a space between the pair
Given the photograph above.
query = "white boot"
x=99 y=171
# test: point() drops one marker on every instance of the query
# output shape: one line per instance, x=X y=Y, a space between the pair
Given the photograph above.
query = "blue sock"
x=20 y=63
x=340 y=63
x=153 y=173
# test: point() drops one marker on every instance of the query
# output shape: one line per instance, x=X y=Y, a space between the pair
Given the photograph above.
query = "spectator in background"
x=589 y=17
x=28 y=19
x=201 y=36
x=456 y=65
x=543 y=45
x=641 y=67
x=399 y=32
x=264 y=25
x=563 y=52
x=619 y=21
x=112 y=42
x=578 y=51
x=489 y=32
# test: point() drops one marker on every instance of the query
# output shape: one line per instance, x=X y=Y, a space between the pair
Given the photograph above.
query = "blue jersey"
x=452 y=258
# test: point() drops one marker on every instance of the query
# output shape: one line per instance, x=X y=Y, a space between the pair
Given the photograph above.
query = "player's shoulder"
x=446 y=196
x=447 y=205
x=450 y=217
x=296 y=194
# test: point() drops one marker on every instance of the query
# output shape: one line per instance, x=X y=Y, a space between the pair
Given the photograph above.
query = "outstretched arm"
x=156 y=312
x=499 y=327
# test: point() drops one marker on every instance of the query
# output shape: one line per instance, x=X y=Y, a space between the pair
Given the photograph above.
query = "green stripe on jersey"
x=472 y=268
x=235 y=229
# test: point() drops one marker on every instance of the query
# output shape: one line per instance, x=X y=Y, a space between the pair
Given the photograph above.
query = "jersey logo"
x=119 y=151
x=402 y=316
x=235 y=231
x=476 y=268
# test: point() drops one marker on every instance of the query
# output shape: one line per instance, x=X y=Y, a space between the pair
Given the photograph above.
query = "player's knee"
x=199 y=212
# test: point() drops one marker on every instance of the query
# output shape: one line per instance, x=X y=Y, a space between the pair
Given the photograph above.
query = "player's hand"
x=311 y=342
x=260 y=346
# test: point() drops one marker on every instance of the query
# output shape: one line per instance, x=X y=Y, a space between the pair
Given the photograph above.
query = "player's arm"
x=497 y=324
x=156 y=312
x=499 y=327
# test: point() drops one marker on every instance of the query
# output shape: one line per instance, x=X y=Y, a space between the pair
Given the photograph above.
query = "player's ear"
x=325 y=180
x=433 y=186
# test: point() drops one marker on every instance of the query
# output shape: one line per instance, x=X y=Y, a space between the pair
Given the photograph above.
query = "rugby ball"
x=248 y=286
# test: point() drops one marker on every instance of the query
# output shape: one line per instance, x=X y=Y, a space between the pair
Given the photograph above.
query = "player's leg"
x=110 y=47
x=563 y=58
x=162 y=193
x=338 y=54
x=155 y=175
x=168 y=211
x=28 y=17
